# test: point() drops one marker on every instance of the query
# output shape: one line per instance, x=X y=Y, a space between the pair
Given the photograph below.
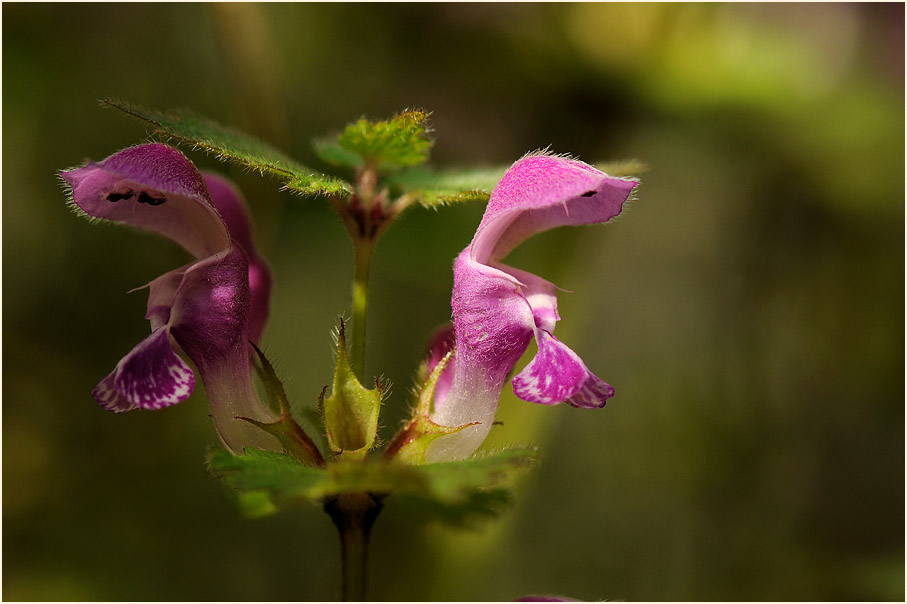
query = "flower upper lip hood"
x=205 y=307
x=152 y=187
x=497 y=309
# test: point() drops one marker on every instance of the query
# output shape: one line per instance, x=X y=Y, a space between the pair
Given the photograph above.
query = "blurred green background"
x=748 y=308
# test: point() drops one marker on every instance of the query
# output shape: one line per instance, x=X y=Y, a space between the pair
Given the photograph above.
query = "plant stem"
x=353 y=515
x=363 y=249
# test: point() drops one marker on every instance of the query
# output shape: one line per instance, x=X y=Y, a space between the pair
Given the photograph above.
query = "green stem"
x=353 y=515
x=364 y=247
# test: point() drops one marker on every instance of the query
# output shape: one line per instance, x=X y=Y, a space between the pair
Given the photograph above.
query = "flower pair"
x=210 y=309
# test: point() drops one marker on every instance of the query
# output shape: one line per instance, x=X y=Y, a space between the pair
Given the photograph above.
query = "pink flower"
x=497 y=309
x=209 y=309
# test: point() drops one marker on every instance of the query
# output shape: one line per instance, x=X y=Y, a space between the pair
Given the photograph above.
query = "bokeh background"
x=748 y=308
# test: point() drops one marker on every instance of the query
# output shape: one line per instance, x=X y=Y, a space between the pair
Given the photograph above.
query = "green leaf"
x=434 y=189
x=255 y=504
x=455 y=492
x=236 y=147
x=395 y=143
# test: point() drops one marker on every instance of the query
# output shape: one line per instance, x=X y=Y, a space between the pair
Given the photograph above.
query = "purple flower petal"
x=494 y=324
x=161 y=293
x=541 y=192
x=204 y=306
x=593 y=394
x=541 y=295
x=209 y=314
x=209 y=322
x=107 y=396
x=151 y=376
x=493 y=321
x=442 y=341
x=232 y=208
x=497 y=309
x=151 y=187
x=557 y=374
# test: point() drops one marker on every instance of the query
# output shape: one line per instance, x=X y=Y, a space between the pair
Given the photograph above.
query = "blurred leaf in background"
x=748 y=309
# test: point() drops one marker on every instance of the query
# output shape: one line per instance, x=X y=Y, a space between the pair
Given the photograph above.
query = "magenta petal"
x=557 y=374
x=107 y=396
x=259 y=298
x=151 y=376
x=152 y=187
x=233 y=209
x=442 y=341
x=493 y=320
x=541 y=192
x=209 y=314
x=540 y=294
x=593 y=394
x=161 y=293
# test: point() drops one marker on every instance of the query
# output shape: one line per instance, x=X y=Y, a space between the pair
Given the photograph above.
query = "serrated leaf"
x=455 y=492
x=230 y=145
x=435 y=189
x=395 y=143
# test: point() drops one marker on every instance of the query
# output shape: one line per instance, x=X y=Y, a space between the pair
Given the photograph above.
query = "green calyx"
x=411 y=443
x=290 y=434
x=351 y=412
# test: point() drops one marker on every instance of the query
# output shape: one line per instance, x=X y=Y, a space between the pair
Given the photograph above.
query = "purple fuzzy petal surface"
x=442 y=341
x=542 y=192
x=232 y=207
x=107 y=396
x=557 y=374
x=152 y=187
x=210 y=312
x=151 y=376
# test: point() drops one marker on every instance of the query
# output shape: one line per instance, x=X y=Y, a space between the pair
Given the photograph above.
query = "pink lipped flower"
x=208 y=309
x=498 y=310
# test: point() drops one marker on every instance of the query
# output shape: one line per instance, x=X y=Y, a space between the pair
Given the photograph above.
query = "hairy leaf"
x=236 y=147
x=391 y=144
x=456 y=492
x=433 y=189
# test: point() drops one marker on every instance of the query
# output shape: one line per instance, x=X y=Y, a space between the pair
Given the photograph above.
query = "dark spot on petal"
x=152 y=201
x=115 y=197
x=588 y=193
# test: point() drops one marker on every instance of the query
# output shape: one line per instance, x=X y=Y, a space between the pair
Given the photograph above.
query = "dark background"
x=748 y=308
